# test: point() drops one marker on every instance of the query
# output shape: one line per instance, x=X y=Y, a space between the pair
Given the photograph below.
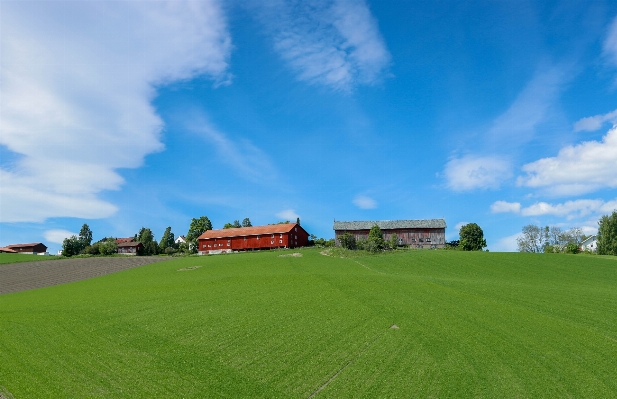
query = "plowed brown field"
x=30 y=275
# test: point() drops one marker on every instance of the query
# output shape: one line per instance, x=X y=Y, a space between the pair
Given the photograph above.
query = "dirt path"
x=23 y=276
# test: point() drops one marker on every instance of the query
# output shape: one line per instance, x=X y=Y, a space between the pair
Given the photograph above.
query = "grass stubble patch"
x=184 y=269
x=260 y=326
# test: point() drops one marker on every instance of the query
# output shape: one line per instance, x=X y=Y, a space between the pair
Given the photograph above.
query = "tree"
x=167 y=240
x=85 y=235
x=246 y=222
x=71 y=246
x=607 y=235
x=298 y=221
x=227 y=226
x=347 y=240
x=532 y=239
x=146 y=237
x=197 y=228
x=471 y=237
x=375 y=242
x=237 y=224
x=393 y=242
x=108 y=246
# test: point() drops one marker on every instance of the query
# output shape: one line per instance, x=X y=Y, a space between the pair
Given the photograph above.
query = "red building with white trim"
x=289 y=235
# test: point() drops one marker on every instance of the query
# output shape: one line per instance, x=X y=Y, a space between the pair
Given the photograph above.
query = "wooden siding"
x=414 y=238
x=297 y=237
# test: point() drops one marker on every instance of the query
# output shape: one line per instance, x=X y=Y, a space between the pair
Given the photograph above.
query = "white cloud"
x=531 y=107
x=570 y=209
x=335 y=43
x=579 y=169
x=77 y=80
x=288 y=214
x=460 y=224
x=506 y=244
x=364 y=202
x=610 y=43
x=595 y=122
x=504 y=207
x=57 y=236
x=244 y=157
x=470 y=173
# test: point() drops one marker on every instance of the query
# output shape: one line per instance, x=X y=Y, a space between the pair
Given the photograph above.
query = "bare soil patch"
x=17 y=277
x=188 y=268
x=294 y=255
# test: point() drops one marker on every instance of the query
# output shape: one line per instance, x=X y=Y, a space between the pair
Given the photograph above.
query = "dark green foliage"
x=72 y=246
x=572 y=248
x=393 y=241
x=347 y=241
x=146 y=237
x=607 y=234
x=246 y=222
x=298 y=221
x=85 y=235
x=375 y=241
x=92 y=249
x=452 y=244
x=167 y=240
x=169 y=251
x=108 y=246
x=472 y=237
x=228 y=226
x=197 y=228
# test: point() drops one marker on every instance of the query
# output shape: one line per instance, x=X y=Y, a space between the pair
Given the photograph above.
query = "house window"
x=295 y=229
x=272 y=242
x=259 y=237
x=272 y=235
x=296 y=237
x=228 y=244
x=281 y=235
x=228 y=240
x=428 y=240
x=244 y=238
x=280 y=241
x=209 y=245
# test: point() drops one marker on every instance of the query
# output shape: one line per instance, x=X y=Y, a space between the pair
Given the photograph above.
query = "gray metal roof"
x=392 y=224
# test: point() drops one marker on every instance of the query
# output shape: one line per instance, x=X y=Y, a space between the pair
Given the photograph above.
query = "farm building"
x=32 y=248
x=289 y=235
x=130 y=248
x=428 y=233
x=589 y=244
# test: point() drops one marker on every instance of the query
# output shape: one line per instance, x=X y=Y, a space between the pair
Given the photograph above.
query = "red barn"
x=289 y=235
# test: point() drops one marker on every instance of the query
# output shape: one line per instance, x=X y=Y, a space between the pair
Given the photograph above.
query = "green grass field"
x=259 y=325
x=18 y=258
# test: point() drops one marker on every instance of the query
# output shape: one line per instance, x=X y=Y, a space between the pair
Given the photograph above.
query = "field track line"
x=365 y=266
x=354 y=358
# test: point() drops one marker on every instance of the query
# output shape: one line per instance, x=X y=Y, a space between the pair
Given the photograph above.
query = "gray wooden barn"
x=426 y=233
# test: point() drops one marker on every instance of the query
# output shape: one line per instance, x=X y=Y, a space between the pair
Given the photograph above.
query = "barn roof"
x=392 y=224
x=8 y=250
x=32 y=244
x=129 y=244
x=249 y=231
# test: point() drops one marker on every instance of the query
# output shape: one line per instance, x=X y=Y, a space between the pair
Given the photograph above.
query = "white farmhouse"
x=590 y=244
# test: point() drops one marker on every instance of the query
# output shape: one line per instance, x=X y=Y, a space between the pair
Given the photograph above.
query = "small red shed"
x=289 y=235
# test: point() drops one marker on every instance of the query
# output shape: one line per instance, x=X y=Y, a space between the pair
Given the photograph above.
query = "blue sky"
x=131 y=114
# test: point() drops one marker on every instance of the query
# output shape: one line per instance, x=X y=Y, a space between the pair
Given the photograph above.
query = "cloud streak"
x=364 y=202
x=472 y=172
x=77 y=80
x=333 y=43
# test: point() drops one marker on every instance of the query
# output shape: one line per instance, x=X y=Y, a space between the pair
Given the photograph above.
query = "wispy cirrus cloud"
x=288 y=214
x=476 y=172
x=77 y=80
x=334 y=43
x=364 y=202
x=577 y=169
x=593 y=123
x=57 y=236
x=240 y=155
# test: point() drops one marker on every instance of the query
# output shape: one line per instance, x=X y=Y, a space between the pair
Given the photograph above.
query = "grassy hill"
x=260 y=325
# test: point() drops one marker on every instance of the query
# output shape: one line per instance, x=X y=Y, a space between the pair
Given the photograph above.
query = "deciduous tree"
x=167 y=240
x=607 y=234
x=532 y=239
x=471 y=237
x=85 y=235
x=197 y=228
